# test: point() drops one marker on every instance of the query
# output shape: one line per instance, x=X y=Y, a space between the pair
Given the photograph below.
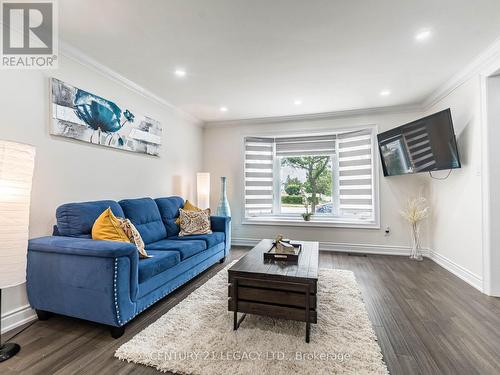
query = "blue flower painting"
x=84 y=116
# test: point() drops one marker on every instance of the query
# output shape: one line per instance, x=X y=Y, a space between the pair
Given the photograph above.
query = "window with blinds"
x=349 y=196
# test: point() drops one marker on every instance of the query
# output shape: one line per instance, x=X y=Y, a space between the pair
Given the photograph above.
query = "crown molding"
x=478 y=66
x=73 y=53
x=318 y=116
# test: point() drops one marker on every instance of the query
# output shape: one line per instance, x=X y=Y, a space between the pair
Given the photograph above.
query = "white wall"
x=456 y=235
x=67 y=170
x=223 y=156
x=491 y=200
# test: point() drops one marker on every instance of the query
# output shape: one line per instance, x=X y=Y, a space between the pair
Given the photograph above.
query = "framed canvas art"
x=81 y=115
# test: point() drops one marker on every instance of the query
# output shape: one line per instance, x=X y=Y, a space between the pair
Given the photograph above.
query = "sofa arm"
x=83 y=278
x=82 y=246
x=222 y=224
x=219 y=223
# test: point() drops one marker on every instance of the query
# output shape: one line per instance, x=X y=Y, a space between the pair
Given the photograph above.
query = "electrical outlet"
x=387 y=231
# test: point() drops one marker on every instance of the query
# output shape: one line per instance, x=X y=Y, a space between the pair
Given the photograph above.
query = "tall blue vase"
x=223 y=208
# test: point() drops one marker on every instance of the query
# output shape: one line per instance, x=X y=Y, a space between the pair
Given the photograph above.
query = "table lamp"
x=16 y=174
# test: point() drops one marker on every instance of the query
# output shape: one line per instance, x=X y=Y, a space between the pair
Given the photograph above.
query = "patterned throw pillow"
x=134 y=236
x=188 y=206
x=194 y=222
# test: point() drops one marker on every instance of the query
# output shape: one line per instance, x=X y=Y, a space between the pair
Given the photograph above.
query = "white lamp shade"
x=16 y=173
x=203 y=190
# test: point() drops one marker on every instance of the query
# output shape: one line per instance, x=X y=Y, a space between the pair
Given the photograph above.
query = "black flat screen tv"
x=425 y=145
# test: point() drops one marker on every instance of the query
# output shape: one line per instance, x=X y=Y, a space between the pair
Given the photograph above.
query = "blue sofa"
x=68 y=273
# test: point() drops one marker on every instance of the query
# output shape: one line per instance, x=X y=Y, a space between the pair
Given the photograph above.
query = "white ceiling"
x=256 y=57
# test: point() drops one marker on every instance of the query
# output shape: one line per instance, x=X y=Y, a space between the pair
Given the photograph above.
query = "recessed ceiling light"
x=223 y=109
x=385 y=93
x=423 y=35
x=297 y=102
x=180 y=72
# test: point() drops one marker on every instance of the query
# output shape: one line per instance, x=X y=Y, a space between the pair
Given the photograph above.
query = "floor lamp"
x=203 y=190
x=16 y=174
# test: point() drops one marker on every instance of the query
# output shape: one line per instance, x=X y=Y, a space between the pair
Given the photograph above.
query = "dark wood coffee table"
x=275 y=289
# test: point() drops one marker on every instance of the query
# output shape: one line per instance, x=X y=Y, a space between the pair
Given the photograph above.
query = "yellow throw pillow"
x=188 y=206
x=108 y=227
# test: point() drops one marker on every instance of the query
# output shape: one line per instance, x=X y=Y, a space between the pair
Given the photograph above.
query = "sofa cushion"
x=160 y=261
x=144 y=214
x=77 y=219
x=156 y=287
x=186 y=249
x=169 y=210
x=211 y=239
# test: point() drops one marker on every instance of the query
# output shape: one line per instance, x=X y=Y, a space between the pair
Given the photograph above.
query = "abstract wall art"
x=78 y=114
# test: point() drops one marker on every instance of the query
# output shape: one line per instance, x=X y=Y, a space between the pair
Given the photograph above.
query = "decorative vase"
x=416 y=251
x=223 y=208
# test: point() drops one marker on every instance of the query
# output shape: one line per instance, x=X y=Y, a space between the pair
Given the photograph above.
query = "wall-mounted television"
x=425 y=145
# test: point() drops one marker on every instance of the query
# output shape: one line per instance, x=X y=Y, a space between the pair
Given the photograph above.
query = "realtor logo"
x=29 y=34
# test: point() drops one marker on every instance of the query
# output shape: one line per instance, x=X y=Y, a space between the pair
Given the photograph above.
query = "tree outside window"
x=313 y=174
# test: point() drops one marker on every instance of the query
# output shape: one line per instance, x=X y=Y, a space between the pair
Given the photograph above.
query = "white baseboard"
x=456 y=269
x=17 y=317
x=342 y=247
x=459 y=271
x=244 y=241
x=364 y=248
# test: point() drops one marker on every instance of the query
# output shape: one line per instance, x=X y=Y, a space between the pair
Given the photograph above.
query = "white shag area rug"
x=196 y=336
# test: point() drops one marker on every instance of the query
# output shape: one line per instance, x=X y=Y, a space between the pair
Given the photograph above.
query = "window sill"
x=315 y=222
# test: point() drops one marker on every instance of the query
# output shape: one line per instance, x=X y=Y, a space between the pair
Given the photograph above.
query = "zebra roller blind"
x=305 y=146
x=259 y=156
x=353 y=181
x=356 y=173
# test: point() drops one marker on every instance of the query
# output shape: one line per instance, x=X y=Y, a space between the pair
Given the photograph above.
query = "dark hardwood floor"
x=427 y=322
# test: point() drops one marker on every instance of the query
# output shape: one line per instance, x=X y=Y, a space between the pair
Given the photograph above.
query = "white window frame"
x=317 y=220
